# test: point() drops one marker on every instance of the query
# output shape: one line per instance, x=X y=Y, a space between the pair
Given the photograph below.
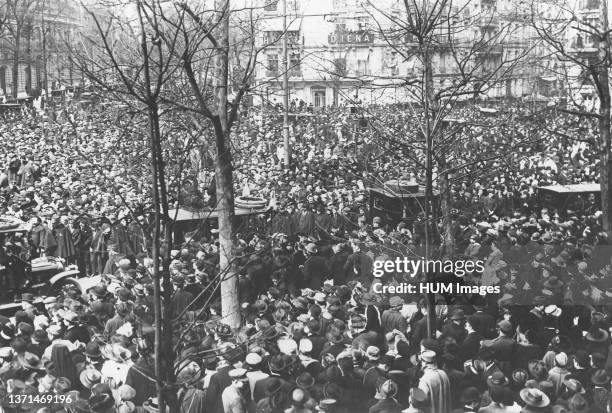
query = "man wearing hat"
x=534 y=320
x=359 y=264
x=386 y=398
x=485 y=321
x=254 y=374
x=236 y=397
x=392 y=319
x=470 y=401
x=275 y=400
x=417 y=401
x=298 y=400
x=503 y=346
x=558 y=373
x=455 y=327
x=276 y=366
x=373 y=370
x=181 y=298
x=435 y=383
x=315 y=269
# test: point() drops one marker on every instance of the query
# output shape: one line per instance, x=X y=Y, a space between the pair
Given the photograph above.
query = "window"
x=295 y=64
x=270 y=5
x=363 y=67
x=273 y=64
x=293 y=6
x=318 y=97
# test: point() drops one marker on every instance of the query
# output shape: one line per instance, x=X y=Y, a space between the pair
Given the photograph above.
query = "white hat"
x=253 y=359
x=287 y=346
x=305 y=345
x=428 y=356
x=237 y=373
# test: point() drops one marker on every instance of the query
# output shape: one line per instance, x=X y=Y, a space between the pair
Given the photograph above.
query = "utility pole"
x=286 y=89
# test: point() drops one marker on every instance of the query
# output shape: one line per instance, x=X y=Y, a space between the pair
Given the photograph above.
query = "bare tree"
x=218 y=54
x=196 y=63
x=451 y=54
x=579 y=35
x=136 y=72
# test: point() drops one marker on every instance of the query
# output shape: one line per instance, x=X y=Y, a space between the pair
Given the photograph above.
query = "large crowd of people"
x=315 y=334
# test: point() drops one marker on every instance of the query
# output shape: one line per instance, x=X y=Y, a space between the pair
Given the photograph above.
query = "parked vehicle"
x=565 y=198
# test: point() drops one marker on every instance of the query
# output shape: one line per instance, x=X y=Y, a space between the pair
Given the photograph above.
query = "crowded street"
x=314 y=333
x=305 y=206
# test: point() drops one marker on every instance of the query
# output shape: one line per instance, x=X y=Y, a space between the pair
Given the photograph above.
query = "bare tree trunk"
x=157 y=306
x=168 y=356
x=230 y=305
x=446 y=206
x=164 y=354
x=429 y=105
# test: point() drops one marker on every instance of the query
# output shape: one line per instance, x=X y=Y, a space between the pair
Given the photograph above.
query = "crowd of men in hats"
x=315 y=335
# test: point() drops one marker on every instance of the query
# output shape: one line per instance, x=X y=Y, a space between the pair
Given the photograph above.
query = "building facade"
x=341 y=51
x=36 y=47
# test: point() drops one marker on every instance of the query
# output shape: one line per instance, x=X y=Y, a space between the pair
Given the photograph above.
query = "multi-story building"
x=342 y=51
x=36 y=46
x=583 y=46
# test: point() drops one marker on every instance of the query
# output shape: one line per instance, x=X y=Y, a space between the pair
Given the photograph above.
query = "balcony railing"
x=272 y=73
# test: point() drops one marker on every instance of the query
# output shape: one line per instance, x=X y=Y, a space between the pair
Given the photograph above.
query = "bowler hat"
x=497 y=379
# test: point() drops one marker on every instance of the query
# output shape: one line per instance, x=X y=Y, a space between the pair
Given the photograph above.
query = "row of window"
x=295 y=69
x=294 y=63
x=294 y=5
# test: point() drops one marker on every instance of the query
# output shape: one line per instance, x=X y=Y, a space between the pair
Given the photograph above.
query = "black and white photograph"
x=303 y=206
